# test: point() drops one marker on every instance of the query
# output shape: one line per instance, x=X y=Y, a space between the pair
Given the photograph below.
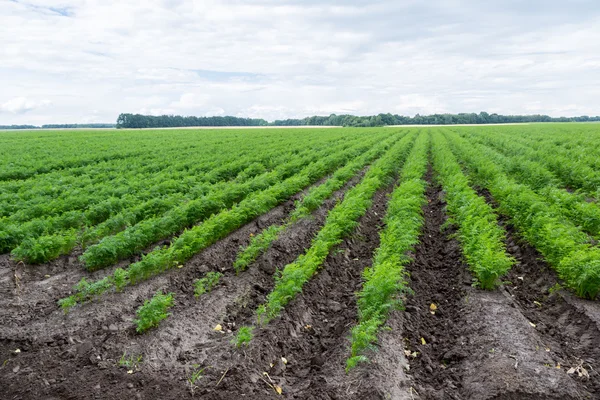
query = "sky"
x=80 y=61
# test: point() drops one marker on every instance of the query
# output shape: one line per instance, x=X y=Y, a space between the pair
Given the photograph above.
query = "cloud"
x=292 y=58
x=20 y=105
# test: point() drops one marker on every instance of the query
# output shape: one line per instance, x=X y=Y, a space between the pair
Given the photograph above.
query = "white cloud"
x=291 y=58
x=20 y=105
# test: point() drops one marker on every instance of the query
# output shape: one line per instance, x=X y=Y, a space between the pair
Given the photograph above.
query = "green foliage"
x=221 y=224
x=149 y=175
x=206 y=284
x=258 y=244
x=481 y=238
x=384 y=281
x=515 y=159
x=309 y=203
x=564 y=246
x=243 y=337
x=153 y=311
x=111 y=249
x=341 y=221
x=45 y=248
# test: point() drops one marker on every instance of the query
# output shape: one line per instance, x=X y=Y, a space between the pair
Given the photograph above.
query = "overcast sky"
x=87 y=61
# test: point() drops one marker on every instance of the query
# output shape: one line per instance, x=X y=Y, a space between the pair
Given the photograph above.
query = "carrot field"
x=455 y=262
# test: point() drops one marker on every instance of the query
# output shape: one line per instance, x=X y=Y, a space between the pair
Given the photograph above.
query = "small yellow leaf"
x=548 y=349
x=130 y=371
x=423 y=342
x=271 y=365
x=218 y=328
x=278 y=389
x=532 y=324
x=17 y=350
x=433 y=307
x=537 y=303
x=284 y=360
x=308 y=327
x=252 y=234
x=407 y=353
x=46 y=276
x=558 y=366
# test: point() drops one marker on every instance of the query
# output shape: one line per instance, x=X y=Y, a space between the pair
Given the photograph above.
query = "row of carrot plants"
x=309 y=203
x=216 y=227
x=570 y=171
x=340 y=222
x=43 y=230
x=564 y=246
x=54 y=194
x=385 y=281
x=573 y=206
x=128 y=242
x=481 y=238
x=72 y=151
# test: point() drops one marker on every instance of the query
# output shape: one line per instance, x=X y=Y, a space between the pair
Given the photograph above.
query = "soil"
x=503 y=344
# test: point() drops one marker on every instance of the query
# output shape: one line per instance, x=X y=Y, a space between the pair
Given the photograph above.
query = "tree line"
x=164 y=121
x=172 y=121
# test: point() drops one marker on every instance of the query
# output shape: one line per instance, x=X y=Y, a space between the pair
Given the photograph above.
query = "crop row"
x=114 y=248
x=571 y=171
x=385 y=281
x=112 y=220
x=341 y=220
x=480 y=236
x=310 y=202
x=563 y=245
x=573 y=206
x=215 y=227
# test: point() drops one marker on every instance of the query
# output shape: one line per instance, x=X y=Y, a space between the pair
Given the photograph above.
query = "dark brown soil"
x=76 y=355
x=312 y=334
x=437 y=276
x=505 y=344
x=478 y=345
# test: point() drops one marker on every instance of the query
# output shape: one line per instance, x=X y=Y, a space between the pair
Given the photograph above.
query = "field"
x=456 y=262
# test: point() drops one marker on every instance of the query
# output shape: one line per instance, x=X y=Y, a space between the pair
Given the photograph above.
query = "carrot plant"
x=341 y=220
x=564 y=246
x=114 y=248
x=153 y=311
x=206 y=284
x=220 y=225
x=310 y=202
x=480 y=236
x=384 y=282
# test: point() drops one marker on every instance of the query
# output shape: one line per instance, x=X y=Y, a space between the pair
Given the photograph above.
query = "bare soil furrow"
x=312 y=332
x=92 y=337
x=473 y=344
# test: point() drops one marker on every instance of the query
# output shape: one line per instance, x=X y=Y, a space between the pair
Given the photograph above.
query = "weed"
x=130 y=362
x=206 y=284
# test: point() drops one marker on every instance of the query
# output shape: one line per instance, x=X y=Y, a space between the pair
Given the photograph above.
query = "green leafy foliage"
x=153 y=311
x=243 y=337
x=206 y=284
x=384 y=281
x=341 y=220
x=564 y=246
x=309 y=203
x=221 y=224
x=480 y=236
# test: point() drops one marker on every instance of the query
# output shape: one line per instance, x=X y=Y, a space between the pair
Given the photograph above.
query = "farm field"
x=455 y=262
